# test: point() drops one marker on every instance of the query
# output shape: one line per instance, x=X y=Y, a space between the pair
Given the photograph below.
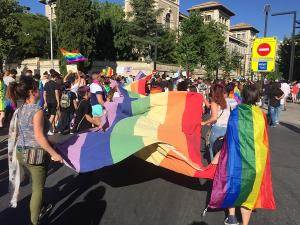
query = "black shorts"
x=52 y=109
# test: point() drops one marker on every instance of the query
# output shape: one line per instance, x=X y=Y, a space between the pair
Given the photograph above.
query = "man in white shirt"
x=286 y=89
x=8 y=78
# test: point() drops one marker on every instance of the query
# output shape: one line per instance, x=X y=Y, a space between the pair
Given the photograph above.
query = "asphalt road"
x=134 y=192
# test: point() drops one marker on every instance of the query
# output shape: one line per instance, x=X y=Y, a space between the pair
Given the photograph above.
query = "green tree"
x=214 y=48
x=166 y=46
x=284 y=54
x=142 y=26
x=9 y=27
x=231 y=61
x=190 y=47
x=111 y=32
x=75 y=28
x=34 y=36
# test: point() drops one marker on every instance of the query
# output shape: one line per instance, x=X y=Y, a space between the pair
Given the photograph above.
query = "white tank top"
x=224 y=114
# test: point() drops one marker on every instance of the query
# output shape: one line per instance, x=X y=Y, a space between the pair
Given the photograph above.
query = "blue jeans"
x=216 y=132
x=274 y=111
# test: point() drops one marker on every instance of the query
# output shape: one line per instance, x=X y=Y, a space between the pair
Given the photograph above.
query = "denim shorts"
x=97 y=110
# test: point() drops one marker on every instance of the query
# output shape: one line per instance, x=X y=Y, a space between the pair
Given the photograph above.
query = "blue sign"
x=263 y=66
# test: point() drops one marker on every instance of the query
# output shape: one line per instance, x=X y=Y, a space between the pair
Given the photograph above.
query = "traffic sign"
x=264 y=54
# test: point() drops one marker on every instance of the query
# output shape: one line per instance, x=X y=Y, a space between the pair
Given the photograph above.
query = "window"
x=207 y=18
x=168 y=20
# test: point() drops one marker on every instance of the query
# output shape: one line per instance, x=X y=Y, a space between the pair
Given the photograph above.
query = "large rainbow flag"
x=73 y=56
x=243 y=176
x=163 y=129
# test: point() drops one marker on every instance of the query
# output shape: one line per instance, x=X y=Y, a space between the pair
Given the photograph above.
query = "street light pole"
x=51 y=35
x=292 y=58
x=50 y=3
x=267 y=10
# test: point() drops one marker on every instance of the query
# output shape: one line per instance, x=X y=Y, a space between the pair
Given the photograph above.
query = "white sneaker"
x=50 y=133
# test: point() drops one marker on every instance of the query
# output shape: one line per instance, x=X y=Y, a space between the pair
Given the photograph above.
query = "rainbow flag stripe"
x=139 y=86
x=163 y=129
x=237 y=95
x=139 y=76
x=73 y=56
x=243 y=176
x=109 y=72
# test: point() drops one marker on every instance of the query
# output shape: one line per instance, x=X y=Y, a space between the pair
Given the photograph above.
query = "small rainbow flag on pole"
x=73 y=56
x=243 y=176
x=109 y=72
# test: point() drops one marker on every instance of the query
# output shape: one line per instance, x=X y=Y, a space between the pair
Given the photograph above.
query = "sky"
x=247 y=11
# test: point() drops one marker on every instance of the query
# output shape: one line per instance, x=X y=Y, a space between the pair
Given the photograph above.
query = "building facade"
x=169 y=16
x=239 y=37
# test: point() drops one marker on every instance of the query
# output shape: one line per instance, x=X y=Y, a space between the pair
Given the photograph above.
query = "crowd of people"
x=76 y=103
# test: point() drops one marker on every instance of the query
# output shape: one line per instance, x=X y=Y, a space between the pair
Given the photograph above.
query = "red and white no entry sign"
x=264 y=49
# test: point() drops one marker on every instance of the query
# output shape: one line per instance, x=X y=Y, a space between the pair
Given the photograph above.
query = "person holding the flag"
x=97 y=98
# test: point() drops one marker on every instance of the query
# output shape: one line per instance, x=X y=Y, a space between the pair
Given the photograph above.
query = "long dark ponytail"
x=21 y=90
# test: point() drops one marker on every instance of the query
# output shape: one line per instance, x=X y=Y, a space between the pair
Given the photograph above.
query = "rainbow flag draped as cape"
x=73 y=56
x=163 y=129
x=243 y=176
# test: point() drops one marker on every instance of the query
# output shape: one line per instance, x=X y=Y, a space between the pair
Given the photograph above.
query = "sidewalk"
x=291 y=116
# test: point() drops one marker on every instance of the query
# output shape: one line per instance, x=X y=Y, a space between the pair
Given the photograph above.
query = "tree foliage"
x=9 y=27
x=111 y=32
x=190 y=45
x=284 y=54
x=231 y=61
x=142 y=26
x=201 y=44
x=166 y=46
x=75 y=28
x=34 y=36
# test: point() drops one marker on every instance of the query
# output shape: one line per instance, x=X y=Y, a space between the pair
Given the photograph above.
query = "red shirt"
x=295 y=89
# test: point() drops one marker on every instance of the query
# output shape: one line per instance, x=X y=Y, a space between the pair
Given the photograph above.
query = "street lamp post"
x=292 y=59
x=267 y=9
x=50 y=3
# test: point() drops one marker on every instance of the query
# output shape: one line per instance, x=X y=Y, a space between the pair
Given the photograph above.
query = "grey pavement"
x=134 y=192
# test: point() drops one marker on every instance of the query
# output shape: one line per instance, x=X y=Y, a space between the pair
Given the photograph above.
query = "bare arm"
x=57 y=97
x=38 y=127
x=100 y=99
x=75 y=104
x=91 y=120
x=214 y=114
x=207 y=104
x=45 y=99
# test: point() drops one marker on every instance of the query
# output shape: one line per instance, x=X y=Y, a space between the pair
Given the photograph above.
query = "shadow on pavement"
x=291 y=127
x=134 y=171
x=198 y=223
x=86 y=212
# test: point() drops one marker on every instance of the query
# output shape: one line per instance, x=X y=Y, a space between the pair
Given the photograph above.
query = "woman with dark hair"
x=83 y=118
x=220 y=111
x=28 y=142
x=243 y=176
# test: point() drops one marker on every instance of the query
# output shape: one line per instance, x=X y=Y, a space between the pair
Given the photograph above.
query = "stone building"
x=239 y=37
x=170 y=15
